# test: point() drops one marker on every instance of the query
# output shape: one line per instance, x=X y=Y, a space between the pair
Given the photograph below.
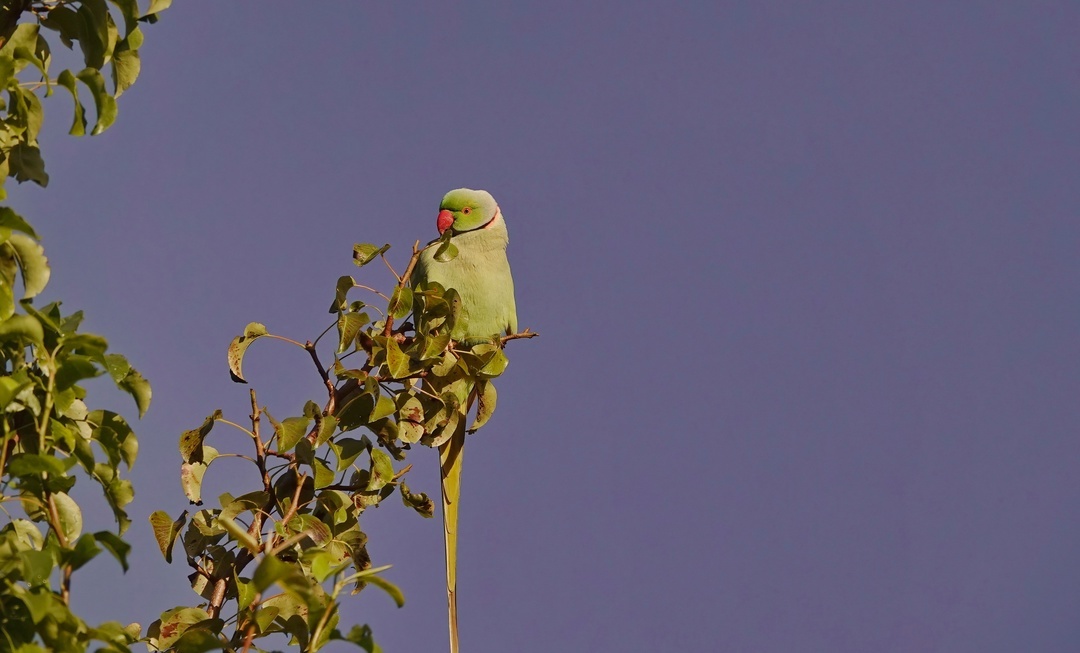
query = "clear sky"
x=806 y=275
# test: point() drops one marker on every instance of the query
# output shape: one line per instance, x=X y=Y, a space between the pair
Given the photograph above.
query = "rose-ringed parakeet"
x=480 y=274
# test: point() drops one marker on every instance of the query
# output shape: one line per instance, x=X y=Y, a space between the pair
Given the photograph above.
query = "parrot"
x=480 y=273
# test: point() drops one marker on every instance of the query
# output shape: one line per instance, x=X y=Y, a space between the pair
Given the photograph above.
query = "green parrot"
x=480 y=274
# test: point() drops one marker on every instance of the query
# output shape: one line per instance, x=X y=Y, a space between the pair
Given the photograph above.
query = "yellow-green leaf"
x=239 y=346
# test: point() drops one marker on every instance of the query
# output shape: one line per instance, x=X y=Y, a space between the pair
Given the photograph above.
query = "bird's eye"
x=466 y=210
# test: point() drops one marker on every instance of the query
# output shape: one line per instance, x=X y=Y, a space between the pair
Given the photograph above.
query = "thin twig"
x=288 y=340
x=295 y=499
x=388 y=330
x=360 y=285
x=391 y=268
x=526 y=334
x=235 y=425
x=325 y=331
x=329 y=409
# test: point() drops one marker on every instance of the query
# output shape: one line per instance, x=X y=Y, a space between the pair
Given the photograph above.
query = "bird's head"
x=465 y=209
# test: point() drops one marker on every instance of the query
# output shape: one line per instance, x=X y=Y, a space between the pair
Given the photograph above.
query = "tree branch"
x=526 y=334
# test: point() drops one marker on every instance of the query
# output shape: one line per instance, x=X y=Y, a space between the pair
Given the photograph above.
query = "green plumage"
x=480 y=274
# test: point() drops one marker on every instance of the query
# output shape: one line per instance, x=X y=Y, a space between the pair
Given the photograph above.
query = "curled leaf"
x=104 y=102
x=485 y=405
x=239 y=345
x=191 y=475
x=165 y=530
x=420 y=502
x=21 y=326
x=191 y=442
x=446 y=252
x=364 y=253
x=30 y=256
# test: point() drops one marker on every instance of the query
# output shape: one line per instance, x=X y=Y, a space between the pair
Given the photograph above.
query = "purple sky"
x=807 y=278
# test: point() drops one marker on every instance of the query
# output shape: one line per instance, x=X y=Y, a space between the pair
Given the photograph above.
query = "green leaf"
x=245 y=592
x=139 y=388
x=94 y=346
x=341 y=292
x=65 y=21
x=401 y=302
x=114 y=545
x=268 y=612
x=37 y=567
x=364 y=253
x=75 y=368
x=118 y=493
x=26 y=533
x=269 y=571
x=323 y=563
x=27 y=165
x=347 y=450
x=71 y=520
x=356 y=410
x=382 y=470
x=126 y=66
x=397 y=361
x=30 y=256
x=31 y=111
x=485 y=405
x=32 y=464
x=116 y=365
x=164 y=633
x=361 y=636
x=323 y=474
x=327 y=427
x=250 y=502
x=348 y=325
x=419 y=502
x=434 y=346
x=198 y=640
x=156 y=7
x=9 y=389
x=239 y=533
x=19 y=50
x=67 y=80
x=384 y=407
x=94 y=33
x=9 y=219
x=104 y=102
x=312 y=526
x=21 y=326
x=7 y=296
x=446 y=252
x=239 y=345
x=290 y=430
x=393 y=590
x=83 y=551
x=166 y=530
x=191 y=442
x=490 y=361
x=114 y=435
x=410 y=418
x=191 y=475
x=116 y=635
x=129 y=9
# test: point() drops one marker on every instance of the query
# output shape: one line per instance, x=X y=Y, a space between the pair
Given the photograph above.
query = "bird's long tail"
x=450 y=453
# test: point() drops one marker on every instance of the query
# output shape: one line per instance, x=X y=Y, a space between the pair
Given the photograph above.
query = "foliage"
x=49 y=436
x=283 y=553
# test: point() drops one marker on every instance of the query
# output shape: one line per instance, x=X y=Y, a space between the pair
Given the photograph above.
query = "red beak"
x=446 y=219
